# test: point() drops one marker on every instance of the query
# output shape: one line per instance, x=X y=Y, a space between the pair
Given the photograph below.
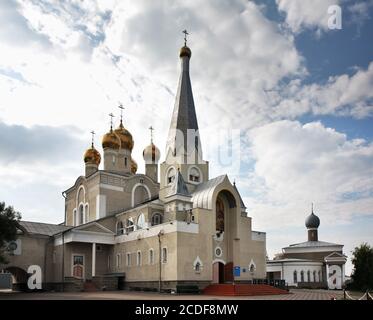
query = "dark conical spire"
x=184 y=114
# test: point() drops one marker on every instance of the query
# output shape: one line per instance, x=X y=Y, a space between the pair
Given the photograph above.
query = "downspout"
x=63 y=248
x=160 y=263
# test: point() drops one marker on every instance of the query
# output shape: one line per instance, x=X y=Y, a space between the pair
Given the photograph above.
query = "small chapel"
x=172 y=225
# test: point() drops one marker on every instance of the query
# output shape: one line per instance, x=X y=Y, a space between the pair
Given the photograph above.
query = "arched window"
x=120 y=228
x=309 y=276
x=295 y=276
x=198 y=267
x=75 y=218
x=140 y=195
x=314 y=276
x=219 y=215
x=194 y=175
x=128 y=259
x=130 y=225
x=164 y=255
x=170 y=175
x=141 y=221
x=302 y=276
x=118 y=261
x=151 y=256
x=138 y=260
x=156 y=219
x=81 y=214
x=86 y=213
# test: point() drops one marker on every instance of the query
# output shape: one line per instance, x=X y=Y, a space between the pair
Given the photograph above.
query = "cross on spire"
x=111 y=121
x=151 y=133
x=185 y=37
x=312 y=207
x=121 y=112
x=93 y=137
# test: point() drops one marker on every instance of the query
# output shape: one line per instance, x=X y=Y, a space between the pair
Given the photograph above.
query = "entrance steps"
x=89 y=286
x=242 y=290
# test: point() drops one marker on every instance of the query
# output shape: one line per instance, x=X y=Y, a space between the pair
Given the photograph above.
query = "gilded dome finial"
x=93 y=138
x=111 y=121
x=151 y=133
x=151 y=153
x=185 y=51
x=185 y=37
x=121 y=114
x=91 y=155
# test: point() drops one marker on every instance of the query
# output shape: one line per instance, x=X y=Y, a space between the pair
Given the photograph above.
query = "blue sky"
x=296 y=96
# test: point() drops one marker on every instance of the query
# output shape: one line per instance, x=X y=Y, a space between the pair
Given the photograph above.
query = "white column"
x=327 y=276
x=93 y=260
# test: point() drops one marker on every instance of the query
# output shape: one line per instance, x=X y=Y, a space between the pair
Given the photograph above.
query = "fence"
x=366 y=296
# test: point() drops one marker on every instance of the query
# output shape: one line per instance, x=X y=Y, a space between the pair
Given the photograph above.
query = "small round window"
x=218 y=252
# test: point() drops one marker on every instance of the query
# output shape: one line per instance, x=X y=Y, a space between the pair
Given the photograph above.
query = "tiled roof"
x=42 y=228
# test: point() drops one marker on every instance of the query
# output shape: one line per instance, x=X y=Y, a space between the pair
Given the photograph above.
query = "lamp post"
x=161 y=232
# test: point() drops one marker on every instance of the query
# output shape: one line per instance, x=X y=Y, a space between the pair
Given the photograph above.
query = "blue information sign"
x=237 y=271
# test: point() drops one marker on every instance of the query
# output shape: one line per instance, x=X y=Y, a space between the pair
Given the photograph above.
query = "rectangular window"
x=118 y=261
x=138 y=258
x=164 y=255
x=151 y=256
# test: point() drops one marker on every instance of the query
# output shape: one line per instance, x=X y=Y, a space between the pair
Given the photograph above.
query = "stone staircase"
x=89 y=286
x=242 y=290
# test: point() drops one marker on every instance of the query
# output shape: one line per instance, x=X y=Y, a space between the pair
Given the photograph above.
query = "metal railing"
x=366 y=296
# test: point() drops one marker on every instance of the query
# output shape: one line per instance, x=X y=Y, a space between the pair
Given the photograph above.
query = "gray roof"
x=184 y=113
x=242 y=204
x=42 y=228
x=202 y=196
x=178 y=186
x=313 y=244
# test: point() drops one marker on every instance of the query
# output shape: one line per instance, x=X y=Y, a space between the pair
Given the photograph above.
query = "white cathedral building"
x=130 y=230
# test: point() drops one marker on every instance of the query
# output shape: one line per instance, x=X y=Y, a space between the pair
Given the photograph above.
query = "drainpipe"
x=160 y=261
x=63 y=261
x=63 y=248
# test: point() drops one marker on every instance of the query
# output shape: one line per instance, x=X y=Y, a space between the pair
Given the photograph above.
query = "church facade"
x=129 y=230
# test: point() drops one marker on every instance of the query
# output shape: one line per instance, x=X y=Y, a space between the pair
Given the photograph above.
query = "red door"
x=78 y=266
x=228 y=272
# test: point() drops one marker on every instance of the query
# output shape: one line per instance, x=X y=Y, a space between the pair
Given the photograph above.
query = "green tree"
x=9 y=220
x=362 y=276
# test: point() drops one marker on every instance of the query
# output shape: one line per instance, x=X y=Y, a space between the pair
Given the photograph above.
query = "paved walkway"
x=295 y=294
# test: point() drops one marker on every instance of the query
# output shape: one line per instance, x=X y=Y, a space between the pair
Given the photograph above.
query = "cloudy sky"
x=293 y=96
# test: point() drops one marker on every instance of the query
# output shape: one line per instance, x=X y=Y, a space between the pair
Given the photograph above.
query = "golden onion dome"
x=125 y=137
x=185 y=52
x=133 y=166
x=92 y=156
x=110 y=140
x=151 y=154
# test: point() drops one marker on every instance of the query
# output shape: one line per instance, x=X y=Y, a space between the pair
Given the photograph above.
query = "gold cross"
x=111 y=120
x=93 y=137
x=121 y=111
x=151 y=133
x=185 y=36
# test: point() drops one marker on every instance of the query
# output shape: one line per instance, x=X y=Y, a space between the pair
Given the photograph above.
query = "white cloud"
x=300 y=15
x=341 y=95
x=299 y=164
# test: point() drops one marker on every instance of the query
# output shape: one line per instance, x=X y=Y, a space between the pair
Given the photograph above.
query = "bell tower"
x=183 y=148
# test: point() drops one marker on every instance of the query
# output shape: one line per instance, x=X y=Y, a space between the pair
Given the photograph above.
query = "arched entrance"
x=19 y=278
x=218 y=272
